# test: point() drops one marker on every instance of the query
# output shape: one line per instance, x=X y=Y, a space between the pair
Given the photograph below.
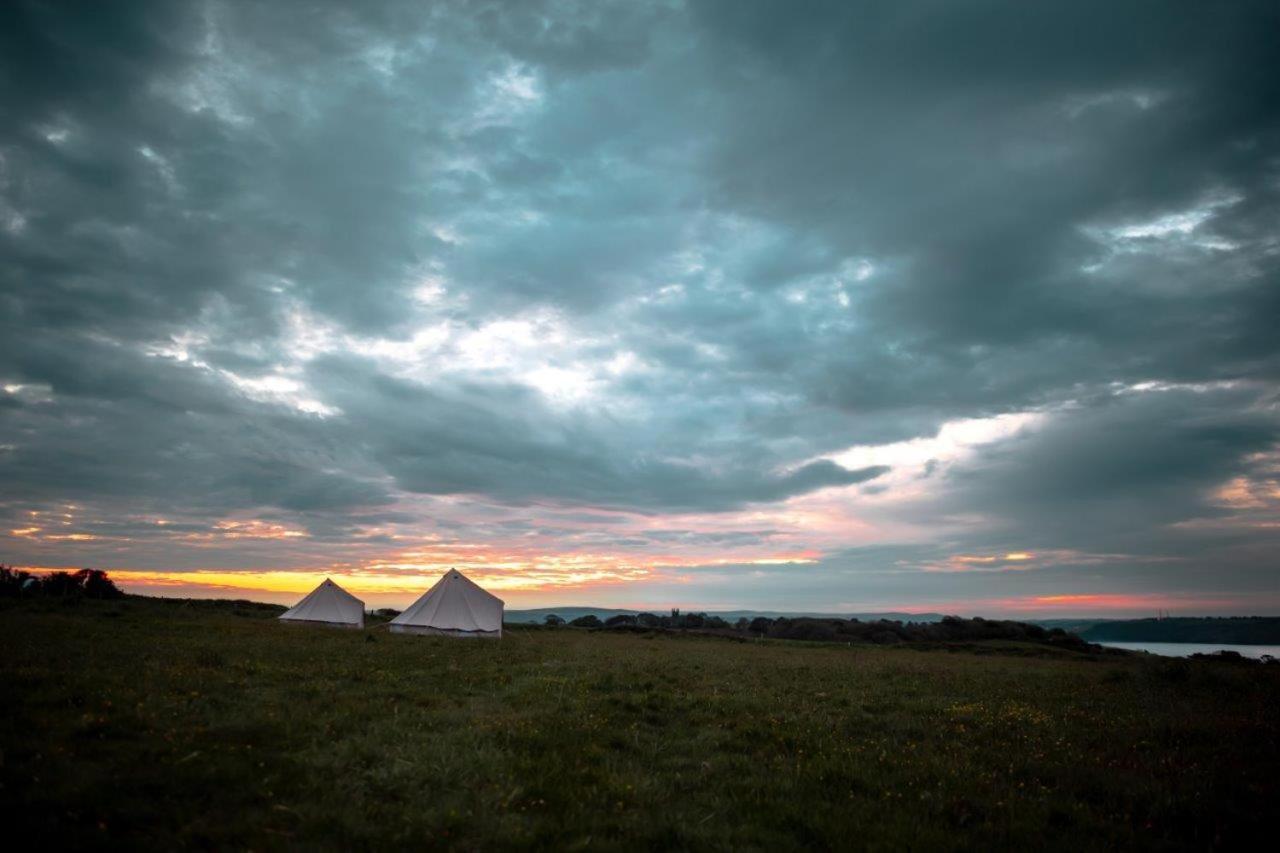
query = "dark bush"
x=86 y=583
x=96 y=584
x=817 y=630
x=949 y=629
x=13 y=581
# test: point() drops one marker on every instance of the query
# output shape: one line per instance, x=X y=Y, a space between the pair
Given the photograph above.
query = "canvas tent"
x=455 y=606
x=327 y=604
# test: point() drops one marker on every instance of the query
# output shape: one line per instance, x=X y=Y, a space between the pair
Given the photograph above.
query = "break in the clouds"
x=834 y=306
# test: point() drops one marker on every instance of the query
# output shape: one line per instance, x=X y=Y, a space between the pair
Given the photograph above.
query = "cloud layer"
x=681 y=299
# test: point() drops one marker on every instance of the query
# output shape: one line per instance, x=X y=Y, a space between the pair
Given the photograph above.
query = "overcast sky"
x=970 y=307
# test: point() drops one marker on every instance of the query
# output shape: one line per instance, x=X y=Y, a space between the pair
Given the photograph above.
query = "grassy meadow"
x=145 y=723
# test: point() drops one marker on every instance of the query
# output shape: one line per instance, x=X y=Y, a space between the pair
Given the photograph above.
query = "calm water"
x=1182 y=650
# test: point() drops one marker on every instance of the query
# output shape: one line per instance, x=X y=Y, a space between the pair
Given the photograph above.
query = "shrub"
x=96 y=584
x=86 y=583
x=817 y=630
x=13 y=581
x=691 y=620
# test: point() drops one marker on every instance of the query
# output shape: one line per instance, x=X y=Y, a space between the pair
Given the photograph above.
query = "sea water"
x=1182 y=650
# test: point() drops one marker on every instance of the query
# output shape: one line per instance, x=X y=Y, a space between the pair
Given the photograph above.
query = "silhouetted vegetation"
x=241 y=607
x=1233 y=657
x=1244 y=630
x=951 y=629
x=86 y=583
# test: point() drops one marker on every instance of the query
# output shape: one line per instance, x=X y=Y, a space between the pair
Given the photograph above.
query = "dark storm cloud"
x=765 y=233
x=503 y=442
x=1117 y=470
x=109 y=422
x=970 y=148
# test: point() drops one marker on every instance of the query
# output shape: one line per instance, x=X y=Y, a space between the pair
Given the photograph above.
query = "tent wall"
x=440 y=632
x=354 y=626
x=455 y=606
x=327 y=604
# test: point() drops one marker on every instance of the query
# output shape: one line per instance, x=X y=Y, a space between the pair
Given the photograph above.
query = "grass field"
x=146 y=723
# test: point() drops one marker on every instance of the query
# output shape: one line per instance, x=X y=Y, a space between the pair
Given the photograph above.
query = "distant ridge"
x=541 y=613
x=1241 y=630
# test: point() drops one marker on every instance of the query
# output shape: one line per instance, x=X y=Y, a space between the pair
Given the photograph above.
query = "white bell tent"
x=455 y=606
x=327 y=604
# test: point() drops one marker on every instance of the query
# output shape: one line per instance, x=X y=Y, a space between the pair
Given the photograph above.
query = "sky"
x=842 y=307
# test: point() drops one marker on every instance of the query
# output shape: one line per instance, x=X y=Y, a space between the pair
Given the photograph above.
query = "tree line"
x=85 y=583
x=949 y=629
x=1263 y=630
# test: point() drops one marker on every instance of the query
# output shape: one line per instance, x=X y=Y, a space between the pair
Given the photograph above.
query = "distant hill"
x=1075 y=626
x=1243 y=630
x=567 y=613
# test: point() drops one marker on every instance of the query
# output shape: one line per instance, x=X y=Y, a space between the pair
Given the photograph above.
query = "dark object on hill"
x=1235 y=658
x=951 y=629
x=588 y=621
x=86 y=583
x=1244 y=630
x=552 y=621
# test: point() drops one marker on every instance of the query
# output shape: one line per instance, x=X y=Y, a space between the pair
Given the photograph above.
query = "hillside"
x=602 y=613
x=1245 y=630
x=154 y=724
x=1075 y=625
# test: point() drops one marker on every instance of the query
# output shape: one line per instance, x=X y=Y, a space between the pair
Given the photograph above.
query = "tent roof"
x=327 y=603
x=454 y=603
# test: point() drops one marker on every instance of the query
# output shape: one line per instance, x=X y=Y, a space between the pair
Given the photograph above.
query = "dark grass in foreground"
x=145 y=723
